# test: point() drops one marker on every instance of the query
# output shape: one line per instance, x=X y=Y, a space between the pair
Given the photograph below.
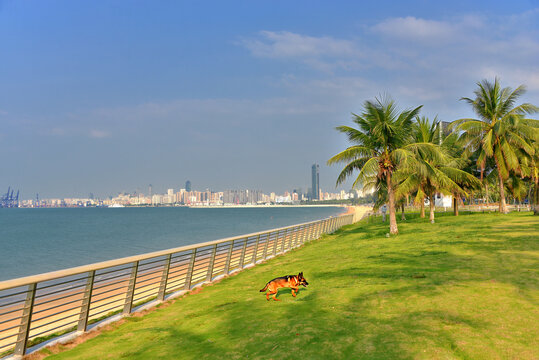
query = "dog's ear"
x=301 y=273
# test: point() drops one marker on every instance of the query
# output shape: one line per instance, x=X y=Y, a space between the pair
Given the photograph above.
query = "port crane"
x=8 y=200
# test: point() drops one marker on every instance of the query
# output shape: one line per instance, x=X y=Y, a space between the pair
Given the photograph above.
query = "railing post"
x=228 y=258
x=128 y=306
x=266 y=246
x=210 y=265
x=86 y=301
x=274 y=252
x=310 y=233
x=283 y=241
x=318 y=229
x=289 y=234
x=303 y=234
x=294 y=237
x=164 y=279
x=26 y=319
x=255 y=251
x=243 y=250
x=189 y=274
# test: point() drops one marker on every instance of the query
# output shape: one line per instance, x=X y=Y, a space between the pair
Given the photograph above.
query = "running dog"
x=289 y=281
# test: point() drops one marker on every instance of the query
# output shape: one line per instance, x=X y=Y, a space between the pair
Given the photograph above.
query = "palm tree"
x=379 y=147
x=433 y=171
x=424 y=132
x=501 y=132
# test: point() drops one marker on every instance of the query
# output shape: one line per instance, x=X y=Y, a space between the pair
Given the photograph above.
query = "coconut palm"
x=379 y=147
x=501 y=132
x=433 y=171
x=424 y=132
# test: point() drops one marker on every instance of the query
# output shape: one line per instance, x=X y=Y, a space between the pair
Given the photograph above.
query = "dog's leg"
x=293 y=293
x=274 y=296
x=267 y=295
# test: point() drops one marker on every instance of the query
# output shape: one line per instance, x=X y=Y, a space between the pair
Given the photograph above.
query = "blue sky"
x=104 y=97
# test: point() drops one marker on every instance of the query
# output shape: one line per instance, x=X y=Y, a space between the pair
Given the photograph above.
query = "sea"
x=34 y=241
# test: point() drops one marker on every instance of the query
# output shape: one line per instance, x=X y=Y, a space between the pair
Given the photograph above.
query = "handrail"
x=26 y=280
x=120 y=288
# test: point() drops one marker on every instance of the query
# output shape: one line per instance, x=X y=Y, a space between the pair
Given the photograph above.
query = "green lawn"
x=465 y=287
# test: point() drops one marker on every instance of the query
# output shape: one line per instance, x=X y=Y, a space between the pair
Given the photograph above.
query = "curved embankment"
x=358 y=211
x=465 y=287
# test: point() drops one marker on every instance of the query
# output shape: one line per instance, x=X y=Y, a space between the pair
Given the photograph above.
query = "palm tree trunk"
x=393 y=229
x=455 y=206
x=402 y=212
x=486 y=191
x=422 y=211
x=536 y=199
x=503 y=206
x=431 y=217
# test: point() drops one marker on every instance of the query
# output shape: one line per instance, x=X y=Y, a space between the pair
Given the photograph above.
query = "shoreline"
x=261 y=206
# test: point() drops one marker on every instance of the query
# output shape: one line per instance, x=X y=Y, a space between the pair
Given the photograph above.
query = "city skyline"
x=231 y=94
x=182 y=197
x=307 y=194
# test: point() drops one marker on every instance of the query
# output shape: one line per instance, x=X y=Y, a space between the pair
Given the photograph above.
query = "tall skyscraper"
x=188 y=185
x=315 y=189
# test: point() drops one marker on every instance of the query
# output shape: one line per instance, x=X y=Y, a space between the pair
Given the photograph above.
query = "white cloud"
x=284 y=44
x=413 y=28
x=513 y=77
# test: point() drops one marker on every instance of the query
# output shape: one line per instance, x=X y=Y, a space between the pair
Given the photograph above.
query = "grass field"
x=463 y=288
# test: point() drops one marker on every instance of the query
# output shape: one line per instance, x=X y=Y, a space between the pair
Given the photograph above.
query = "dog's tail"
x=265 y=287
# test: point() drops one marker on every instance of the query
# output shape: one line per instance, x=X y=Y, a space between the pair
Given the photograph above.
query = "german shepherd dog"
x=289 y=281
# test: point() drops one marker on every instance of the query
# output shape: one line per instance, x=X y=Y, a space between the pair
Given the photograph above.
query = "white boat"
x=116 y=206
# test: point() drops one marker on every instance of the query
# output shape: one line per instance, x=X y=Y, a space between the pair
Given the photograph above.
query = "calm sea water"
x=34 y=241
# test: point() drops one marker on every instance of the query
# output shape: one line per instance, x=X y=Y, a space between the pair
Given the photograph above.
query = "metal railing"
x=37 y=306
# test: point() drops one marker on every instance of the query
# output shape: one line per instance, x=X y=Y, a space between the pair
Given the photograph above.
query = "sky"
x=105 y=97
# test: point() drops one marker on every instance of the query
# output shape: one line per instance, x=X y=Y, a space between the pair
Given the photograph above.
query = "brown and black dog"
x=288 y=281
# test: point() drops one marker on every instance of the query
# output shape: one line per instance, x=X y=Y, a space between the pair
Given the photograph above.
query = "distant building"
x=444 y=128
x=237 y=197
x=315 y=189
x=188 y=186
